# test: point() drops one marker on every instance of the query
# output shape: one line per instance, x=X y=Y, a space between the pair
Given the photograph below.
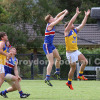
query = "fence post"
x=97 y=73
x=32 y=67
x=44 y=72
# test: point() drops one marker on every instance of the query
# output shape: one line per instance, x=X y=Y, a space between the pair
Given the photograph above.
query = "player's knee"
x=74 y=68
x=85 y=62
x=59 y=58
x=51 y=63
x=73 y=64
x=15 y=78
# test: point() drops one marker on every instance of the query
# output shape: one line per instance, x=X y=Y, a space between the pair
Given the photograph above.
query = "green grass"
x=83 y=90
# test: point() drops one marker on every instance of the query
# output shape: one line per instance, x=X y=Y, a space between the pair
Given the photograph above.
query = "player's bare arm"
x=61 y=13
x=80 y=27
x=16 y=72
x=68 y=28
x=57 y=21
x=2 y=44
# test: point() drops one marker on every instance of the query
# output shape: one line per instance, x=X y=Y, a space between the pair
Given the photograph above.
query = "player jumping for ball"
x=12 y=80
x=48 y=46
x=72 y=52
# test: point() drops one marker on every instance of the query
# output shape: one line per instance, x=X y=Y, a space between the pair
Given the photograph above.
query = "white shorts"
x=73 y=56
x=8 y=79
x=2 y=68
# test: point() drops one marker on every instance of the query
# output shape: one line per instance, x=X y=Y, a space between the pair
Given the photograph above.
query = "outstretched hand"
x=66 y=11
x=77 y=11
x=87 y=13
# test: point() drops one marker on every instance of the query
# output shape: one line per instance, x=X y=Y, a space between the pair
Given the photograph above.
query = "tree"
x=43 y=7
x=23 y=12
x=82 y=4
x=3 y=15
x=16 y=36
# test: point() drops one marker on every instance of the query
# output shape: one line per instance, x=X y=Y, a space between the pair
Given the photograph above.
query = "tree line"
x=16 y=12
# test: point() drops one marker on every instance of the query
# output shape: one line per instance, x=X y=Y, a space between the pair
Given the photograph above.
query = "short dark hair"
x=2 y=34
x=66 y=24
x=11 y=48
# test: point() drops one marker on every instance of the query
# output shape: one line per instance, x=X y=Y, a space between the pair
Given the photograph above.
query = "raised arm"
x=57 y=21
x=61 y=13
x=80 y=27
x=16 y=71
x=68 y=28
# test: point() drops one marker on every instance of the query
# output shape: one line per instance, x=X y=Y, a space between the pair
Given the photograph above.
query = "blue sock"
x=4 y=92
x=47 y=77
x=57 y=70
x=80 y=74
x=20 y=92
x=69 y=82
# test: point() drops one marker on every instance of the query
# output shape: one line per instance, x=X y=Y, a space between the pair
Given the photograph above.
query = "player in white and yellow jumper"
x=3 y=55
x=72 y=52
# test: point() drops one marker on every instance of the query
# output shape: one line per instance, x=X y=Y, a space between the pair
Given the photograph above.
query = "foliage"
x=36 y=43
x=33 y=12
x=28 y=11
x=43 y=7
x=4 y=15
x=82 y=4
x=24 y=63
x=90 y=51
x=62 y=50
x=16 y=36
x=20 y=11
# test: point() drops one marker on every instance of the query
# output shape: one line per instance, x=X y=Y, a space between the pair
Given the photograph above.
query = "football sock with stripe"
x=57 y=70
x=69 y=81
x=47 y=77
x=20 y=92
x=4 y=92
x=80 y=73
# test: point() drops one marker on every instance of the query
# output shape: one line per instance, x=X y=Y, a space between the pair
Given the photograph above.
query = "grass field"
x=83 y=90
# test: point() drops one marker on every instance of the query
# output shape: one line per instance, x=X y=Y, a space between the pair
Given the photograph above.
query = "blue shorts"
x=48 y=48
x=7 y=70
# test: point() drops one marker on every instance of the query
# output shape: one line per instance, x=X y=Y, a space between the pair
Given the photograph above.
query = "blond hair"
x=47 y=18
